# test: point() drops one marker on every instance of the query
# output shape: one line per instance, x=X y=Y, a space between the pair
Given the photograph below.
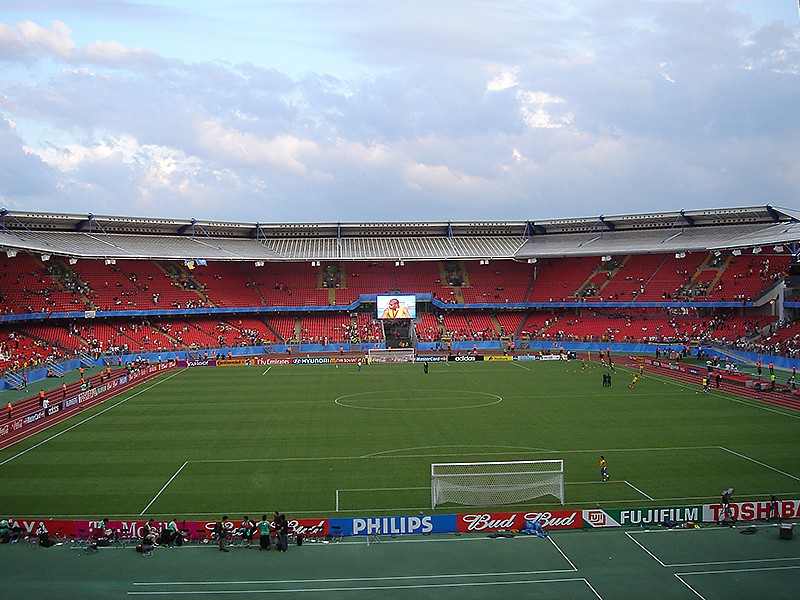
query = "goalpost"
x=496 y=483
x=390 y=355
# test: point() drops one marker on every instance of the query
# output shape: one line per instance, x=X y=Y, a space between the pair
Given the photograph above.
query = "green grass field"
x=196 y=443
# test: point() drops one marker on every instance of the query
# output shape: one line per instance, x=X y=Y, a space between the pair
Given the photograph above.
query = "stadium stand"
x=136 y=285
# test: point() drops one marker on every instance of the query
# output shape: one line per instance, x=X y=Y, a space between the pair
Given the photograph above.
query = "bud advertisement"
x=557 y=519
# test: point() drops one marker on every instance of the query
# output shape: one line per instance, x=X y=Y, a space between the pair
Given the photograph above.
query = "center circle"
x=423 y=399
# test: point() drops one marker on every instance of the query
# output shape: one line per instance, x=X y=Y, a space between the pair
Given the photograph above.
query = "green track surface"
x=710 y=563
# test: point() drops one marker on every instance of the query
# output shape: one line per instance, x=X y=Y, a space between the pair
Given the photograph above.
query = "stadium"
x=186 y=370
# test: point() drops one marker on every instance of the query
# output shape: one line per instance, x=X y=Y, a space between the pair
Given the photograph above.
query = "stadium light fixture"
x=680 y=255
x=110 y=261
x=259 y=263
x=757 y=250
x=73 y=261
x=605 y=258
x=717 y=253
x=737 y=252
x=777 y=248
x=532 y=261
x=11 y=253
x=45 y=257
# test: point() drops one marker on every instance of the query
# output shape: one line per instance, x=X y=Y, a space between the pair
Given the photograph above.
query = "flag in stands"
x=191 y=263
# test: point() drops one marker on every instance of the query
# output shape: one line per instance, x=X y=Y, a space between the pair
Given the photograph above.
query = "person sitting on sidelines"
x=534 y=527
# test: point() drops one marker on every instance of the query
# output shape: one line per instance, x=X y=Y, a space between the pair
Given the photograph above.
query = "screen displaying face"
x=397 y=307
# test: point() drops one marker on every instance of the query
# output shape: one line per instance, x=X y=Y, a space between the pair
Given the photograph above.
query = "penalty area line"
x=144 y=510
x=265 y=372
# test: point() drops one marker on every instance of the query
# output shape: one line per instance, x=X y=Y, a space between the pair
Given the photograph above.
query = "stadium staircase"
x=56 y=369
x=166 y=333
x=16 y=381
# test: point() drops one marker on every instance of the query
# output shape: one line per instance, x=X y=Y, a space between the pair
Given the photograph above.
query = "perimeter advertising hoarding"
x=397 y=307
x=419 y=524
x=626 y=517
x=708 y=513
x=556 y=519
x=787 y=510
x=195 y=530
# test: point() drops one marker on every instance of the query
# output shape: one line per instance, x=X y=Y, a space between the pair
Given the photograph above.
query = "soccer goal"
x=496 y=483
x=390 y=355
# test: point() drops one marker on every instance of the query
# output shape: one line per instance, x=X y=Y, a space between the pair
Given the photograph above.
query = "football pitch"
x=337 y=441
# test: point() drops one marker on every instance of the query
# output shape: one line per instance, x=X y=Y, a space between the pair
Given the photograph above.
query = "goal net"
x=496 y=483
x=390 y=355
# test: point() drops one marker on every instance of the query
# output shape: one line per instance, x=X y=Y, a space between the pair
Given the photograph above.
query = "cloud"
x=233 y=146
x=56 y=41
x=455 y=110
x=22 y=173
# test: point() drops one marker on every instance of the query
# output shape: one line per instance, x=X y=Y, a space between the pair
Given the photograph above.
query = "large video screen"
x=397 y=307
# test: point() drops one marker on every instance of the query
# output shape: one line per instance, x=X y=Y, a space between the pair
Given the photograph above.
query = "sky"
x=376 y=110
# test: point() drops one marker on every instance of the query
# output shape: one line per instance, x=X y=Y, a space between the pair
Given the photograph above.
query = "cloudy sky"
x=376 y=110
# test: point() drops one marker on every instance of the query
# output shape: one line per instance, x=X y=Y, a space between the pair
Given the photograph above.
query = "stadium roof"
x=115 y=237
